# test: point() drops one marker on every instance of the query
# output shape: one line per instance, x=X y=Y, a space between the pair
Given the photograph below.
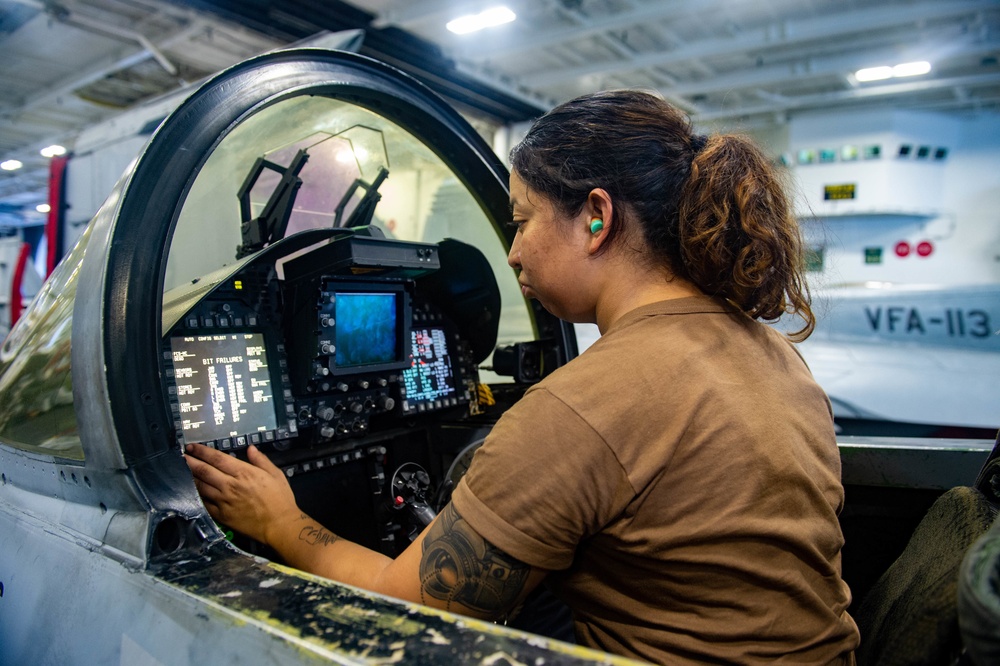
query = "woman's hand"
x=252 y=498
x=448 y=566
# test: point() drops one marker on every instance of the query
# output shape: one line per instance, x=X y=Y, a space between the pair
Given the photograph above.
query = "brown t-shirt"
x=681 y=479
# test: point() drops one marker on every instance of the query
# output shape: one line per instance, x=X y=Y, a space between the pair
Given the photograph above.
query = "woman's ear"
x=599 y=218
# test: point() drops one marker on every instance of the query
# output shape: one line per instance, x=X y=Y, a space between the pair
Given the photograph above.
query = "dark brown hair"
x=713 y=209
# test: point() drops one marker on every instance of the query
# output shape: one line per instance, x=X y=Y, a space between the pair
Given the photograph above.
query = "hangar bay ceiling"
x=68 y=64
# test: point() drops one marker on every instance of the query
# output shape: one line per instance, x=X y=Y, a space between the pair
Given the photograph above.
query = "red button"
x=925 y=248
x=902 y=249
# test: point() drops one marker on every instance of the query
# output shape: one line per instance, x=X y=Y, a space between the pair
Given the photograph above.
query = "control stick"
x=410 y=486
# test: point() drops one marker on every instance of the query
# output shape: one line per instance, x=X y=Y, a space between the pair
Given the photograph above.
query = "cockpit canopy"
x=294 y=144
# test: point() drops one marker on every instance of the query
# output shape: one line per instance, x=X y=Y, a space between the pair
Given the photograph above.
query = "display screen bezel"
x=277 y=412
x=453 y=394
x=402 y=325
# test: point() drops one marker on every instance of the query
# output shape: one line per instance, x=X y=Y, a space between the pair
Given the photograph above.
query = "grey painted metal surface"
x=911 y=462
x=912 y=354
x=65 y=601
x=90 y=381
x=69 y=598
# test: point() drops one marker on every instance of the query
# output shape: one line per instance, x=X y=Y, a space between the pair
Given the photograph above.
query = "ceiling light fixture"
x=886 y=72
x=873 y=74
x=54 y=150
x=11 y=165
x=485 y=19
x=912 y=68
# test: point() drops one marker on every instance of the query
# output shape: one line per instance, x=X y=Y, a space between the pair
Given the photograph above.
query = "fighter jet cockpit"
x=331 y=293
x=308 y=256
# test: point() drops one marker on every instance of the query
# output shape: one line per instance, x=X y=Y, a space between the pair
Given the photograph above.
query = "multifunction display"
x=224 y=385
x=367 y=329
x=429 y=381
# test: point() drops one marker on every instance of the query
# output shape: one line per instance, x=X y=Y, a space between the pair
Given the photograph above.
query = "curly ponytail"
x=738 y=238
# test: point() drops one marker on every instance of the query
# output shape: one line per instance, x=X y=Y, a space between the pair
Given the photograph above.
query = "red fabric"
x=53 y=226
x=15 y=283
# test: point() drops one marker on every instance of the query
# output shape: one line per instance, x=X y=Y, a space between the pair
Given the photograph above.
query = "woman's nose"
x=514 y=256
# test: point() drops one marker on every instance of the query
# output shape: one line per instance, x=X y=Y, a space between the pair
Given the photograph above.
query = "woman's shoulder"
x=685 y=340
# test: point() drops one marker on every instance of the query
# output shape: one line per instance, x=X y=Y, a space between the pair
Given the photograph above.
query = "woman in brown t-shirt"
x=679 y=482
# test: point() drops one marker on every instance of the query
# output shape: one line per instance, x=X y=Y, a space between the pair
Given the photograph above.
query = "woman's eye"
x=516 y=224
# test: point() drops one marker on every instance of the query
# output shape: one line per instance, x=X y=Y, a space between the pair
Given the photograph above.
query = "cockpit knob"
x=385 y=403
x=356 y=407
x=325 y=412
x=342 y=387
x=363 y=384
x=327 y=432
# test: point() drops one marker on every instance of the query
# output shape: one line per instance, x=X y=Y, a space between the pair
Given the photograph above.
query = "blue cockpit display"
x=367 y=328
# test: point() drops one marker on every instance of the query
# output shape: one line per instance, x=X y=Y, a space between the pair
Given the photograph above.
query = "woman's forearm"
x=305 y=544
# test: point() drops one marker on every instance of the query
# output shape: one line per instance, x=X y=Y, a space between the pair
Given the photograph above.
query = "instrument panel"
x=340 y=362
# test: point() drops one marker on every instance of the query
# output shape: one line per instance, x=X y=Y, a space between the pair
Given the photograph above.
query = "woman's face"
x=550 y=253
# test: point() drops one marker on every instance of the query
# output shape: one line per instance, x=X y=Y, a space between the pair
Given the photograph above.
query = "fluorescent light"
x=484 y=19
x=886 y=72
x=911 y=68
x=11 y=165
x=873 y=74
x=53 y=151
x=43 y=208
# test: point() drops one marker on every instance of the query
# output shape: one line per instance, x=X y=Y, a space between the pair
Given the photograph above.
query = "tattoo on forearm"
x=317 y=536
x=460 y=566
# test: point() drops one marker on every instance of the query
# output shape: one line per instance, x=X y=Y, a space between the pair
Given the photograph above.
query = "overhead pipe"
x=87 y=23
